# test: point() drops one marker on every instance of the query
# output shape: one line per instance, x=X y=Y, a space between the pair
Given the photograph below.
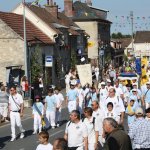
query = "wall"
x=11 y=49
x=92 y=29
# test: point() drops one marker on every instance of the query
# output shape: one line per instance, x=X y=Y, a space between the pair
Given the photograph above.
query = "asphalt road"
x=29 y=142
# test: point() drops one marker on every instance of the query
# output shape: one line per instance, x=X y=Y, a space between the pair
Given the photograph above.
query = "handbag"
x=18 y=106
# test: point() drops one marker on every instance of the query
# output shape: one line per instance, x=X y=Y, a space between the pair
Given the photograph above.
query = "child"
x=50 y=107
x=43 y=139
x=111 y=113
x=147 y=114
x=59 y=99
x=38 y=111
x=130 y=111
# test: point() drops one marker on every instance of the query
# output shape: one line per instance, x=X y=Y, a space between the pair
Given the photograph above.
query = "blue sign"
x=138 y=65
x=48 y=61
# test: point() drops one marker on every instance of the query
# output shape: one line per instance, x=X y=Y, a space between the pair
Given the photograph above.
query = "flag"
x=35 y=2
x=138 y=65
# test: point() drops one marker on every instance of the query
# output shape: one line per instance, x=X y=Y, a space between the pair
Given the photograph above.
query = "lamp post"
x=25 y=40
x=101 y=61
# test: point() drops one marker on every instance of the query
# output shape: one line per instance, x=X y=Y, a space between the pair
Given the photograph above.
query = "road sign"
x=48 y=61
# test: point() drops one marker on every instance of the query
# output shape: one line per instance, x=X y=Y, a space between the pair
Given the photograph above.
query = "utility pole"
x=25 y=40
x=131 y=16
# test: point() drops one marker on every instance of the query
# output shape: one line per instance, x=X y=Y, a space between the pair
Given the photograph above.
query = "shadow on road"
x=3 y=140
x=28 y=133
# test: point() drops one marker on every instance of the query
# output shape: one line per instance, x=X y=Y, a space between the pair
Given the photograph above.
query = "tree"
x=119 y=35
x=36 y=63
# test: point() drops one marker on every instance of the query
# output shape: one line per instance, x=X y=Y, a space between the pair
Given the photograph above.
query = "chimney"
x=68 y=7
x=89 y=2
x=52 y=8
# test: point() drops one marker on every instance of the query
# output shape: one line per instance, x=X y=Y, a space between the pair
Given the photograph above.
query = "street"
x=30 y=141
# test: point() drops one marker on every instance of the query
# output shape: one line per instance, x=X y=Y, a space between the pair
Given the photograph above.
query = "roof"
x=125 y=42
x=15 y=22
x=142 y=37
x=53 y=22
x=83 y=12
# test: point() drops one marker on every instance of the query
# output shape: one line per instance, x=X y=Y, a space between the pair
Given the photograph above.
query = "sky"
x=119 y=12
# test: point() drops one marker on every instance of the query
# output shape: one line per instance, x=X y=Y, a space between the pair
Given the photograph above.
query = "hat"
x=108 y=80
x=102 y=83
x=139 y=111
x=134 y=90
x=37 y=97
x=148 y=83
x=134 y=84
x=73 y=82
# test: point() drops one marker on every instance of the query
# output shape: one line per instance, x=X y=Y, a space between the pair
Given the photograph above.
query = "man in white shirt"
x=117 y=103
x=76 y=132
x=16 y=112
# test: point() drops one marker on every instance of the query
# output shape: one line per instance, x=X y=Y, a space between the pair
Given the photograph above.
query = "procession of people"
x=98 y=112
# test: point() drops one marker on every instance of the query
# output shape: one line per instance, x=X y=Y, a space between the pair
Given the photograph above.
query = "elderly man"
x=76 y=132
x=139 y=131
x=115 y=139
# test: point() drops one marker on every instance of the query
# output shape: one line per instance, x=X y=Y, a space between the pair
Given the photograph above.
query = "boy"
x=130 y=111
x=110 y=112
x=43 y=139
x=147 y=114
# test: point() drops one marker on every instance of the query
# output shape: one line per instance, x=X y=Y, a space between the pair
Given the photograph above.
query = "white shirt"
x=76 y=133
x=59 y=99
x=44 y=147
x=119 y=91
x=117 y=104
x=15 y=106
x=99 y=113
x=90 y=124
x=103 y=93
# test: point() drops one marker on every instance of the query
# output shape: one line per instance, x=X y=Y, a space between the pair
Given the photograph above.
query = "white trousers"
x=37 y=123
x=58 y=115
x=15 y=120
x=50 y=115
x=91 y=146
x=4 y=109
x=72 y=106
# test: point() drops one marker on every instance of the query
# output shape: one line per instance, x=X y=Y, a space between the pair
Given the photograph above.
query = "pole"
x=25 y=40
x=131 y=16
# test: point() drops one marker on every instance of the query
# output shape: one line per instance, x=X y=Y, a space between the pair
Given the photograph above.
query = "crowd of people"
x=97 y=112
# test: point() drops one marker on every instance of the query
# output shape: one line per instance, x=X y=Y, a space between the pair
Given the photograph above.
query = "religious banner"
x=85 y=74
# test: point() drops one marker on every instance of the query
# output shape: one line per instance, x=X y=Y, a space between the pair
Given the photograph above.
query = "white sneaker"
x=53 y=127
x=12 y=139
x=35 y=132
x=58 y=125
x=21 y=135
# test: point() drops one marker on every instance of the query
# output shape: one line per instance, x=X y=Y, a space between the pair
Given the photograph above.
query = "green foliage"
x=73 y=59
x=119 y=35
x=36 y=63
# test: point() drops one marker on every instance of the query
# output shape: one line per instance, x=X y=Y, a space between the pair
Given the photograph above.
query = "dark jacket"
x=118 y=140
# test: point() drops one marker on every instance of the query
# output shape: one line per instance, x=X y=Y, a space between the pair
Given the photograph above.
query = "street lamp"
x=101 y=61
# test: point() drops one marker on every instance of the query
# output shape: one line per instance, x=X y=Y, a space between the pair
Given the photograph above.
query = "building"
x=94 y=21
x=12 y=45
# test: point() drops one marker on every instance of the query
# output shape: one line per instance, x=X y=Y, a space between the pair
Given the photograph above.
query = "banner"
x=138 y=65
x=85 y=74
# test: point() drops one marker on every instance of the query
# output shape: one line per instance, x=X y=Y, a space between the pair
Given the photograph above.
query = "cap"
x=139 y=111
x=134 y=84
x=73 y=82
x=102 y=83
x=134 y=90
x=148 y=83
x=108 y=80
x=37 y=97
